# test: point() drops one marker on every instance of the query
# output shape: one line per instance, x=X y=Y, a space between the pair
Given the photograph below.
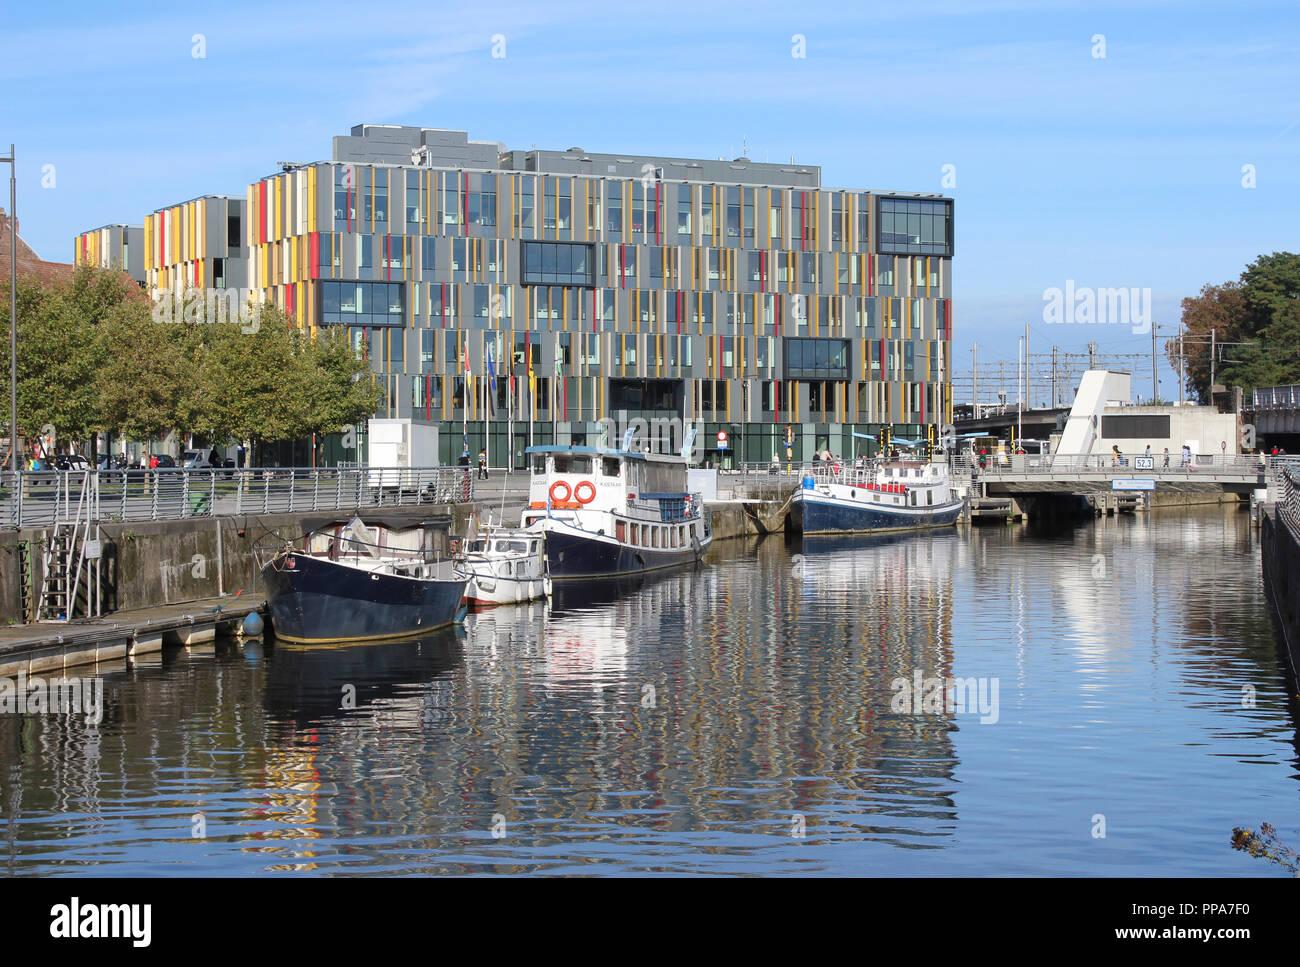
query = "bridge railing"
x=42 y=498
x=1276 y=397
x=1125 y=465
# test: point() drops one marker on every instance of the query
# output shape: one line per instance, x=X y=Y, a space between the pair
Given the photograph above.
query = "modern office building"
x=730 y=295
x=113 y=247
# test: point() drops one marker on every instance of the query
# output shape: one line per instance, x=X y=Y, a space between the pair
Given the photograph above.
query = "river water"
x=782 y=710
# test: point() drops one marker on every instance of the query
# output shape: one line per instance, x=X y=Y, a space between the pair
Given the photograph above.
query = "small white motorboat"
x=505 y=566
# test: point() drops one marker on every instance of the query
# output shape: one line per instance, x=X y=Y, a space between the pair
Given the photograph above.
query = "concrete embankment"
x=1280 y=553
x=154 y=563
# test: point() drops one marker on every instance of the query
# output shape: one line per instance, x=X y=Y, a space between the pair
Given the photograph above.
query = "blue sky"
x=1122 y=170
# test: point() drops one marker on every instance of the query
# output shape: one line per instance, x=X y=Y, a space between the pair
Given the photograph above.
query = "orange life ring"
x=560 y=483
x=577 y=492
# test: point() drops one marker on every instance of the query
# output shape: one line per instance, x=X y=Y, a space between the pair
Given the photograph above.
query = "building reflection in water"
x=691 y=720
x=724 y=702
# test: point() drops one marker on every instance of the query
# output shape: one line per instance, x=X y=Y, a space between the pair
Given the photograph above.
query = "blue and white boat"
x=901 y=495
x=364 y=580
x=610 y=513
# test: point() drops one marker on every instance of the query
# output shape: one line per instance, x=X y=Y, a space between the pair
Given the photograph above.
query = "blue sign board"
x=1130 y=483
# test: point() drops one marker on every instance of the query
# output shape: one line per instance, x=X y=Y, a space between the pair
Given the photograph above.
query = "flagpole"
x=510 y=410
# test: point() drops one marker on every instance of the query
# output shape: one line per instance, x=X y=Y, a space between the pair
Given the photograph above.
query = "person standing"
x=1166 y=467
x=482 y=465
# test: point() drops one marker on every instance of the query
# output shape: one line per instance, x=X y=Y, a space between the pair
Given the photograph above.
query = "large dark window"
x=562 y=263
x=914 y=226
x=1135 y=427
x=646 y=394
x=816 y=359
x=362 y=304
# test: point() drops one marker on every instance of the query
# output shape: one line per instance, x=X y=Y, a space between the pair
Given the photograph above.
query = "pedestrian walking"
x=482 y=465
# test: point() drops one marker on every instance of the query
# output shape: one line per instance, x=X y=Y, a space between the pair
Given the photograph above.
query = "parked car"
x=166 y=462
x=196 y=460
x=71 y=461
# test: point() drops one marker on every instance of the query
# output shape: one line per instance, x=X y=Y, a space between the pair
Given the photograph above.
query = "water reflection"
x=732 y=718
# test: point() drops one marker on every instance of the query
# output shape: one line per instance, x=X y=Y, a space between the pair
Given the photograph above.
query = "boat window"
x=620 y=531
x=929 y=496
x=539 y=465
x=609 y=466
x=510 y=547
x=569 y=463
x=478 y=547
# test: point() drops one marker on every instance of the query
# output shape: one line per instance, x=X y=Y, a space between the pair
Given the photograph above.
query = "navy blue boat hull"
x=571 y=557
x=817 y=517
x=320 y=602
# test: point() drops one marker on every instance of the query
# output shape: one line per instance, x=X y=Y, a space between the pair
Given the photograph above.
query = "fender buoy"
x=558 y=499
x=577 y=492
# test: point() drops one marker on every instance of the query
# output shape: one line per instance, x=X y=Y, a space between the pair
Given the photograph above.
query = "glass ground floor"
x=505 y=443
x=743 y=442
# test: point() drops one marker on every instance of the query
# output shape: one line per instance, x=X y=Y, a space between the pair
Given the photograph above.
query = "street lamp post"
x=13 y=308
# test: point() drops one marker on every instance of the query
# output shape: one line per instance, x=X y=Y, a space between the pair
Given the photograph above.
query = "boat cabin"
x=379 y=537
x=566 y=481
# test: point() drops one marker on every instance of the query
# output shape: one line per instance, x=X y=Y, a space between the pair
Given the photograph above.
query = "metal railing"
x=1127 y=465
x=1286 y=472
x=1276 y=397
x=40 y=498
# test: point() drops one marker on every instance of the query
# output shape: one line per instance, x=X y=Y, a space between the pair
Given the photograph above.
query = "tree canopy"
x=93 y=356
x=1260 y=309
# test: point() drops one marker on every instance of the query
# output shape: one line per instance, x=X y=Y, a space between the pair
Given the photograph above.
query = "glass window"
x=816 y=359
x=572 y=463
x=558 y=263
x=362 y=304
x=609 y=467
x=614 y=207
x=914 y=226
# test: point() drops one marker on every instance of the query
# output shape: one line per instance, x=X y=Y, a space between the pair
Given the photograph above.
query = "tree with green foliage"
x=94 y=356
x=1261 y=309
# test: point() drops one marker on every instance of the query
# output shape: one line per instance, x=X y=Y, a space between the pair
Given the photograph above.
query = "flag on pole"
x=532 y=379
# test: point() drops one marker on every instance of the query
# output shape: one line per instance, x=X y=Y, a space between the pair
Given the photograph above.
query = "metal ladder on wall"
x=72 y=548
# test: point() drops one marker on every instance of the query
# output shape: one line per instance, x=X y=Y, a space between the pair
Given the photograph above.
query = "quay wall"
x=1280 y=553
x=146 y=564
x=150 y=563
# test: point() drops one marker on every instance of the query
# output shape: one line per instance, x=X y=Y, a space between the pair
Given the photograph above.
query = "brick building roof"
x=30 y=265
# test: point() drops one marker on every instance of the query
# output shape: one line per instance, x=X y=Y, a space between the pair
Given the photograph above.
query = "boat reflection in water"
x=311 y=683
